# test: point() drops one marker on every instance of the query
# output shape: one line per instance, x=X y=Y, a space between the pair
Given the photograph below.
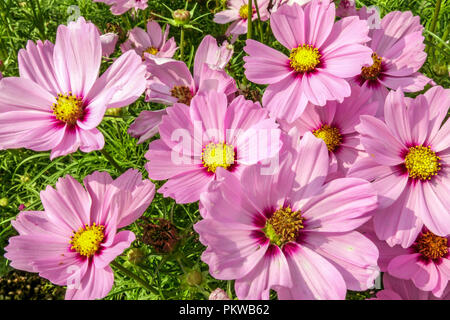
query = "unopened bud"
x=194 y=278
x=135 y=256
x=441 y=69
x=4 y=202
x=218 y=294
x=181 y=16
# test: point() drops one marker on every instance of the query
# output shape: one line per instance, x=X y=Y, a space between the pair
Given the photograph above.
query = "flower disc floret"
x=422 y=163
x=283 y=226
x=182 y=93
x=68 y=108
x=372 y=72
x=86 y=241
x=331 y=136
x=431 y=246
x=304 y=58
x=218 y=155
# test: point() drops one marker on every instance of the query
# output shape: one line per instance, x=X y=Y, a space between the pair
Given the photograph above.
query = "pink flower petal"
x=36 y=64
x=271 y=272
x=69 y=205
x=265 y=65
x=342 y=205
x=146 y=125
x=398 y=224
x=77 y=56
x=351 y=253
x=314 y=277
x=95 y=284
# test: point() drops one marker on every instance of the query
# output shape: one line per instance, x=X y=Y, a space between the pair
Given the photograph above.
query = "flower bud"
x=194 y=278
x=135 y=256
x=4 y=202
x=441 y=69
x=218 y=294
x=181 y=16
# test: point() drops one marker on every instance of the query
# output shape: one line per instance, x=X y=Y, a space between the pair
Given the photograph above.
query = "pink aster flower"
x=335 y=124
x=237 y=13
x=75 y=238
x=289 y=232
x=59 y=100
x=323 y=54
x=408 y=165
x=398 y=54
x=196 y=140
x=153 y=42
x=119 y=7
x=398 y=289
x=172 y=82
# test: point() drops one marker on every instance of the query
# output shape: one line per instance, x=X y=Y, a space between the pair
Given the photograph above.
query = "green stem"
x=141 y=281
x=434 y=20
x=249 y=19
x=260 y=31
x=182 y=44
x=111 y=160
x=435 y=15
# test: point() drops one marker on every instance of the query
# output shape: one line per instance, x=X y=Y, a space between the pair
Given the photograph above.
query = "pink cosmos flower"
x=323 y=54
x=237 y=13
x=75 y=238
x=196 y=140
x=289 y=231
x=109 y=41
x=398 y=289
x=335 y=124
x=121 y=6
x=153 y=42
x=172 y=82
x=408 y=165
x=398 y=54
x=59 y=100
x=426 y=262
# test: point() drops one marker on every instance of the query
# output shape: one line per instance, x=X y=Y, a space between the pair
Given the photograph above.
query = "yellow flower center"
x=422 y=163
x=330 y=135
x=243 y=11
x=304 y=58
x=182 y=93
x=372 y=72
x=431 y=246
x=86 y=241
x=218 y=155
x=68 y=108
x=283 y=226
x=151 y=50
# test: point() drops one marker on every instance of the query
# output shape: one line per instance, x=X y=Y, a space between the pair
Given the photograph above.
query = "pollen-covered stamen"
x=182 y=93
x=431 y=246
x=304 y=58
x=283 y=226
x=422 y=163
x=218 y=155
x=372 y=72
x=331 y=136
x=151 y=50
x=243 y=11
x=87 y=240
x=68 y=108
